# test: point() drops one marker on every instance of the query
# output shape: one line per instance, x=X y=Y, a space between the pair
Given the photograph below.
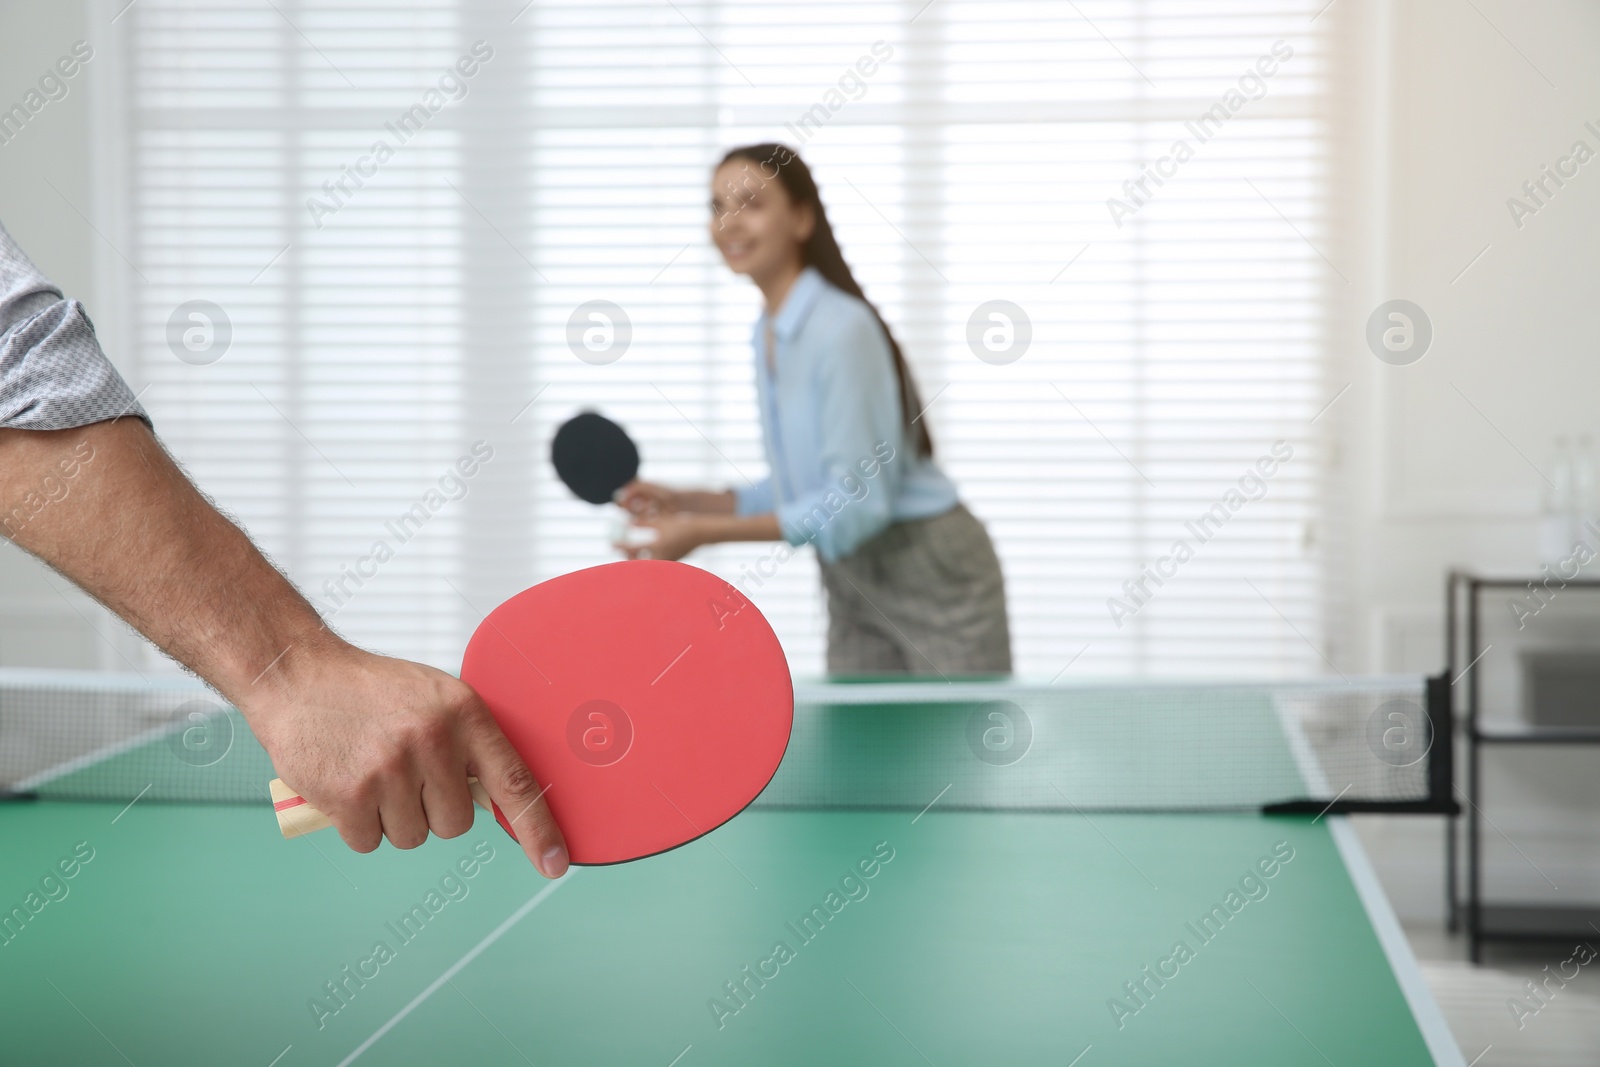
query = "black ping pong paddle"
x=594 y=457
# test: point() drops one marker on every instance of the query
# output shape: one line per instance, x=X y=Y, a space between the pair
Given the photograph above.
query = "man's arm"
x=383 y=746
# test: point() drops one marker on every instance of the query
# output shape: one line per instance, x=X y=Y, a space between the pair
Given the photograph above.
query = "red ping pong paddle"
x=650 y=699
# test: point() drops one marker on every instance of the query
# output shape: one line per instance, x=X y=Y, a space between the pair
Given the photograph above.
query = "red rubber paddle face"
x=650 y=699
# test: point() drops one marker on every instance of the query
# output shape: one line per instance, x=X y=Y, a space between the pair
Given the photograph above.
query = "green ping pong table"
x=966 y=873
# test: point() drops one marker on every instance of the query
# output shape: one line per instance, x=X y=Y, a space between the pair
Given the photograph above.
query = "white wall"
x=1439 y=457
x=45 y=182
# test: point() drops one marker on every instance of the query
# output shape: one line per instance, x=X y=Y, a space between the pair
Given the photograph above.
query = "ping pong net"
x=1363 y=745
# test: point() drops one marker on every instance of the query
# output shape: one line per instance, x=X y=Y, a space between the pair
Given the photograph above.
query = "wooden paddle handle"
x=296 y=817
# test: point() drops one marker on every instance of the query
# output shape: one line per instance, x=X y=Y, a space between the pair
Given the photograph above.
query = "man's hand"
x=384 y=747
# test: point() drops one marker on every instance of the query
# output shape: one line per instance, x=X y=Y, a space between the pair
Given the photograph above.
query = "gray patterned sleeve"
x=53 y=375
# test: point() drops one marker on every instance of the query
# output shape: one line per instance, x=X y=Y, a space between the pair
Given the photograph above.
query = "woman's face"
x=758 y=229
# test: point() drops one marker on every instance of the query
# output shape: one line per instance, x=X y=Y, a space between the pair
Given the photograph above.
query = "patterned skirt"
x=926 y=596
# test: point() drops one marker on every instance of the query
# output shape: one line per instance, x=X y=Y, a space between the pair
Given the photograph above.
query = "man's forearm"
x=383 y=746
x=104 y=505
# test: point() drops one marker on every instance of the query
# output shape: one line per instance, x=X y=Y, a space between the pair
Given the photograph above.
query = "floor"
x=1564 y=1032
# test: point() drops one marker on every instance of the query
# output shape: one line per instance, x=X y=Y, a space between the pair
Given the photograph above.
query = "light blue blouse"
x=842 y=466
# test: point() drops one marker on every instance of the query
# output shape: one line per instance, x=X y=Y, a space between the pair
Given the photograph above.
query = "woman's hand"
x=646 y=499
x=676 y=537
x=679 y=533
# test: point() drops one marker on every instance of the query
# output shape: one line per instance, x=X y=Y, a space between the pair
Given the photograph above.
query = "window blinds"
x=396 y=316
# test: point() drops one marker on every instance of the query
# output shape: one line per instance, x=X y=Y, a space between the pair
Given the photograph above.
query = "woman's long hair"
x=822 y=252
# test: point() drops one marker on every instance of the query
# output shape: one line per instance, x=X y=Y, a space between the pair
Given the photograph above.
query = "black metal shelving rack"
x=1496 y=921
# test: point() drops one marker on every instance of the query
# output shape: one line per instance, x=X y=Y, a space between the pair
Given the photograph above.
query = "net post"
x=1442 y=749
x=1438 y=800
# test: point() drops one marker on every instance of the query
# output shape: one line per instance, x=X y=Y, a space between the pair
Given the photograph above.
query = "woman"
x=913 y=582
